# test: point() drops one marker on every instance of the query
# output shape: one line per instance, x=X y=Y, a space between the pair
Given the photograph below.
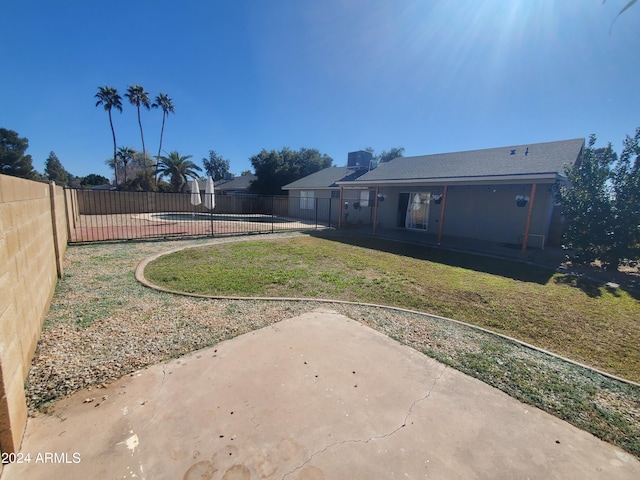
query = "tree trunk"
x=164 y=115
x=144 y=151
x=115 y=161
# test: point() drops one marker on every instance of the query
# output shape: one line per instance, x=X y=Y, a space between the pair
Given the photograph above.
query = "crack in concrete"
x=373 y=437
x=154 y=396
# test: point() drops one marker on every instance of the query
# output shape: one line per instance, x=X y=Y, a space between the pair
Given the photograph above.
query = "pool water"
x=200 y=217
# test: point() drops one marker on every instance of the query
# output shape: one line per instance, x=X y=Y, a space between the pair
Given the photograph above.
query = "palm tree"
x=109 y=98
x=125 y=154
x=162 y=101
x=178 y=168
x=137 y=96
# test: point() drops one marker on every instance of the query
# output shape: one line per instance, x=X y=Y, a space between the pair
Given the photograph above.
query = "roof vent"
x=513 y=152
x=526 y=152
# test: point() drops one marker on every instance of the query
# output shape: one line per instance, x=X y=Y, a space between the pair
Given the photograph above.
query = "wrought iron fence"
x=99 y=215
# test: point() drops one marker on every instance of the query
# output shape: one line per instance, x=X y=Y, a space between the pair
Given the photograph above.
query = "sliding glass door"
x=417 y=213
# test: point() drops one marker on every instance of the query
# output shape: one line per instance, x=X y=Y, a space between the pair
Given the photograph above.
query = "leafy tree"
x=116 y=165
x=109 y=98
x=13 y=161
x=74 y=182
x=179 y=169
x=245 y=172
x=137 y=96
x=587 y=204
x=601 y=205
x=275 y=169
x=625 y=181
x=141 y=173
x=125 y=155
x=93 y=179
x=215 y=166
x=166 y=104
x=54 y=170
x=386 y=156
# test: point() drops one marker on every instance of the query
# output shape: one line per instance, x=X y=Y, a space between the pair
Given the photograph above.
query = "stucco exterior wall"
x=483 y=212
x=33 y=238
x=326 y=207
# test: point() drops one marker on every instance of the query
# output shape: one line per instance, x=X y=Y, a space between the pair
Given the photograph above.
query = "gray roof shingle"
x=325 y=178
x=237 y=183
x=532 y=159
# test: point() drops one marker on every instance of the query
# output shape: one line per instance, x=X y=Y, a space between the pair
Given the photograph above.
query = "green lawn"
x=587 y=322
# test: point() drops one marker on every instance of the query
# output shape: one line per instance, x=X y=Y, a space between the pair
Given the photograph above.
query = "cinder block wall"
x=33 y=238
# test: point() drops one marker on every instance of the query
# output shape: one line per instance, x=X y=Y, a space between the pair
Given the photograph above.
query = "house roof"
x=237 y=183
x=537 y=160
x=325 y=178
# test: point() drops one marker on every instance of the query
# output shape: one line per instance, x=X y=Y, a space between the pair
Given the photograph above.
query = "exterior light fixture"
x=522 y=200
x=437 y=199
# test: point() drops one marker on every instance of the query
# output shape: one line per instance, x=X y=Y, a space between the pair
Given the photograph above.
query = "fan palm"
x=162 y=101
x=137 y=96
x=109 y=98
x=125 y=154
x=178 y=168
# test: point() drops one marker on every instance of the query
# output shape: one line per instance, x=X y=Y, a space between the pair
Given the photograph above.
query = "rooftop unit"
x=360 y=160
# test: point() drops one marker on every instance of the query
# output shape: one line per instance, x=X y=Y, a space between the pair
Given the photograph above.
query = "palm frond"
x=624 y=9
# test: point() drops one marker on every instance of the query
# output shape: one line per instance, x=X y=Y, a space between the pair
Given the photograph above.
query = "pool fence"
x=103 y=215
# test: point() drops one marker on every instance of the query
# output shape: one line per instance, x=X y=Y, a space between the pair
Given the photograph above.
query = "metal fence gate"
x=101 y=215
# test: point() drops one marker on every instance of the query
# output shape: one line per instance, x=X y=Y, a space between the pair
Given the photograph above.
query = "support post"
x=532 y=196
x=442 y=213
x=375 y=210
x=54 y=225
x=340 y=208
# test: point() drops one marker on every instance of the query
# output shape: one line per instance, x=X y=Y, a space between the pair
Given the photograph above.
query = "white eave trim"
x=490 y=180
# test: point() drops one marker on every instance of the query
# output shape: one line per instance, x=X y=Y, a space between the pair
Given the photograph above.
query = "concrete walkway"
x=313 y=397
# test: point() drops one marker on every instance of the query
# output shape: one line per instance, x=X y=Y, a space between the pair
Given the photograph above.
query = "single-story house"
x=503 y=195
x=319 y=193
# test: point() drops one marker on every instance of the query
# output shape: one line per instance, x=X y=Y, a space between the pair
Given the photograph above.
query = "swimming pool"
x=216 y=217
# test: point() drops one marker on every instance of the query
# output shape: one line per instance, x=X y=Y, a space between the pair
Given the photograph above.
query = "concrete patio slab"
x=318 y=396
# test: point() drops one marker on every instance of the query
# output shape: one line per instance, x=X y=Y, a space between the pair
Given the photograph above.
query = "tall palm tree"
x=109 y=98
x=125 y=154
x=162 y=101
x=137 y=96
x=178 y=169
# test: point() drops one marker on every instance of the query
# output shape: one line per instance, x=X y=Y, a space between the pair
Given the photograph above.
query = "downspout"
x=442 y=212
x=532 y=196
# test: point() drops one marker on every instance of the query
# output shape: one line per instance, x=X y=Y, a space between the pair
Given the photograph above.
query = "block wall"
x=33 y=238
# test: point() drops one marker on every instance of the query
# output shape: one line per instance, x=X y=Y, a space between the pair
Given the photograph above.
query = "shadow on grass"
x=593 y=288
x=590 y=288
x=494 y=266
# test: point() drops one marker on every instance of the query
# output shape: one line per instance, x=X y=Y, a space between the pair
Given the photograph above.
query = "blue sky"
x=337 y=75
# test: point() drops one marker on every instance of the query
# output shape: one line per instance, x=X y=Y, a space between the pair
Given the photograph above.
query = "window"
x=307 y=200
x=364 y=198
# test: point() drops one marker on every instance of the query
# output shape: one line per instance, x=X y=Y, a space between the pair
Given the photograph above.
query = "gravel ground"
x=103 y=324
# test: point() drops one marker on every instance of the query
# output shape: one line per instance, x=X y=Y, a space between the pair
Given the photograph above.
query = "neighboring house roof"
x=237 y=184
x=325 y=179
x=539 y=160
